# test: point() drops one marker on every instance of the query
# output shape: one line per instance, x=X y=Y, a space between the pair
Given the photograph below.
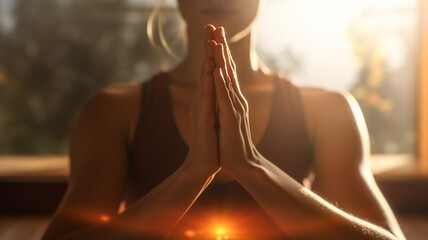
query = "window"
x=365 y=47
x=54 y=54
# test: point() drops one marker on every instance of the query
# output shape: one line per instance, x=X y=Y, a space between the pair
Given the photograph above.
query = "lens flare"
x=221 y=232
x=190 y=233
x=105 y=218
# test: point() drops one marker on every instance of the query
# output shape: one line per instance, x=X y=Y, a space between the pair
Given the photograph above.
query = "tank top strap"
x=153 y=99
x=290 y=103
x=286 y=141
x=153 y=91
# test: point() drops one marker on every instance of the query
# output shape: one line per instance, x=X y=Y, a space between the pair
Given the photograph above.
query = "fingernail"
x=221 y=72
x=222 y=31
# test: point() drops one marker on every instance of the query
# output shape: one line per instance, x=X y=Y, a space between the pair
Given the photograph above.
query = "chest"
x=161 y=142
x=260 y=104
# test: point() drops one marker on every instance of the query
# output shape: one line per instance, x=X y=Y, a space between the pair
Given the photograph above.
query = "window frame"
x=422 y=99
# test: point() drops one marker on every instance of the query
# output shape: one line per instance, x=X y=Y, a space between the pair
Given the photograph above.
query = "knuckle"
x=230 y=85
x=238 y=114
x=245 y=105
x=240 y=108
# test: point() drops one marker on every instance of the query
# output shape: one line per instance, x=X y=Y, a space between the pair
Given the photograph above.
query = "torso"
x=159 y=144
x=260 y=101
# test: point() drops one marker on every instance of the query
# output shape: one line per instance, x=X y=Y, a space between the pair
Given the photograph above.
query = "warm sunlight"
x=221 y=232
x=315 y=34
x=105 y=218
x=367 y=48
x=214 y=229
x=214 y=119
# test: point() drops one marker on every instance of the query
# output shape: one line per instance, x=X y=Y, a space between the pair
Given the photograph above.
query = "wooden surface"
x=34 y=166
x=12 y=167
x=53 y=170
x=32 y=227
x=23 y=228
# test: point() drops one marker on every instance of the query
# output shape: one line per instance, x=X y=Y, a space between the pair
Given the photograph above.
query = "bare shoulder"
x=317 y=100
x=116 y=95
x=117 y=104
x=333 y=116
x=325 y=109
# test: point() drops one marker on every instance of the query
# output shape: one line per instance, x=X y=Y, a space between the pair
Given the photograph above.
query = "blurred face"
x=235 y=16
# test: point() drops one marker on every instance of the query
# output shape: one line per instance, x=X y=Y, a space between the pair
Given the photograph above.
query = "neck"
x=243 y=52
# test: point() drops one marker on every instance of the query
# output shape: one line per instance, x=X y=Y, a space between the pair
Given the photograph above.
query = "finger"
x=222 y=92
x=207 y=95
x=219 y=57
x=209 y=32
x=209 y=36
x=204 y=96
x=209 y=53
x=220 y=37
x=207 y=66
x=220 y=61
x=210 y=65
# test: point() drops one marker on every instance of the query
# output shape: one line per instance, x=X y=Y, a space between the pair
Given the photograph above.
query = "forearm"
x=154 y=215
x=298 y=211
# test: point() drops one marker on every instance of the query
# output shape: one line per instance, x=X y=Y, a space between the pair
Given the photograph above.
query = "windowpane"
x=55 y=53
x=366 y=47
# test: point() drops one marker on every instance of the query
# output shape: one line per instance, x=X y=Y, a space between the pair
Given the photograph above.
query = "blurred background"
x=55 y=53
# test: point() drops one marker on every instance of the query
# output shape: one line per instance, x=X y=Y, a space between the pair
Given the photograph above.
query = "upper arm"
x=341 y=153
x=98 y=162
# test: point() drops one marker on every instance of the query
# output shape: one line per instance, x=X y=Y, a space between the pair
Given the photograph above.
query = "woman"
x=234 y=172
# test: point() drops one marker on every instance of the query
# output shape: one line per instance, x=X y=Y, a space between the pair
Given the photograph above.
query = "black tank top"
x=158 y=150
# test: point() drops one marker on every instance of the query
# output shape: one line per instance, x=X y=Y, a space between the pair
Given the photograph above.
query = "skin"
x=99 y=161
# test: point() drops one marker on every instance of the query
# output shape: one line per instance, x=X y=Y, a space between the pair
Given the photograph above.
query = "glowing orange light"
x=105 y=218
x=189 y=233
x=221 y=233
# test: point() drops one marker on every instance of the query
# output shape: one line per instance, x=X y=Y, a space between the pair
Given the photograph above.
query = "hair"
x=155 y=25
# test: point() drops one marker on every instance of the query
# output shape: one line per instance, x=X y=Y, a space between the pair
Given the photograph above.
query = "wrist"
x=247 y=167
x=251 y=173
